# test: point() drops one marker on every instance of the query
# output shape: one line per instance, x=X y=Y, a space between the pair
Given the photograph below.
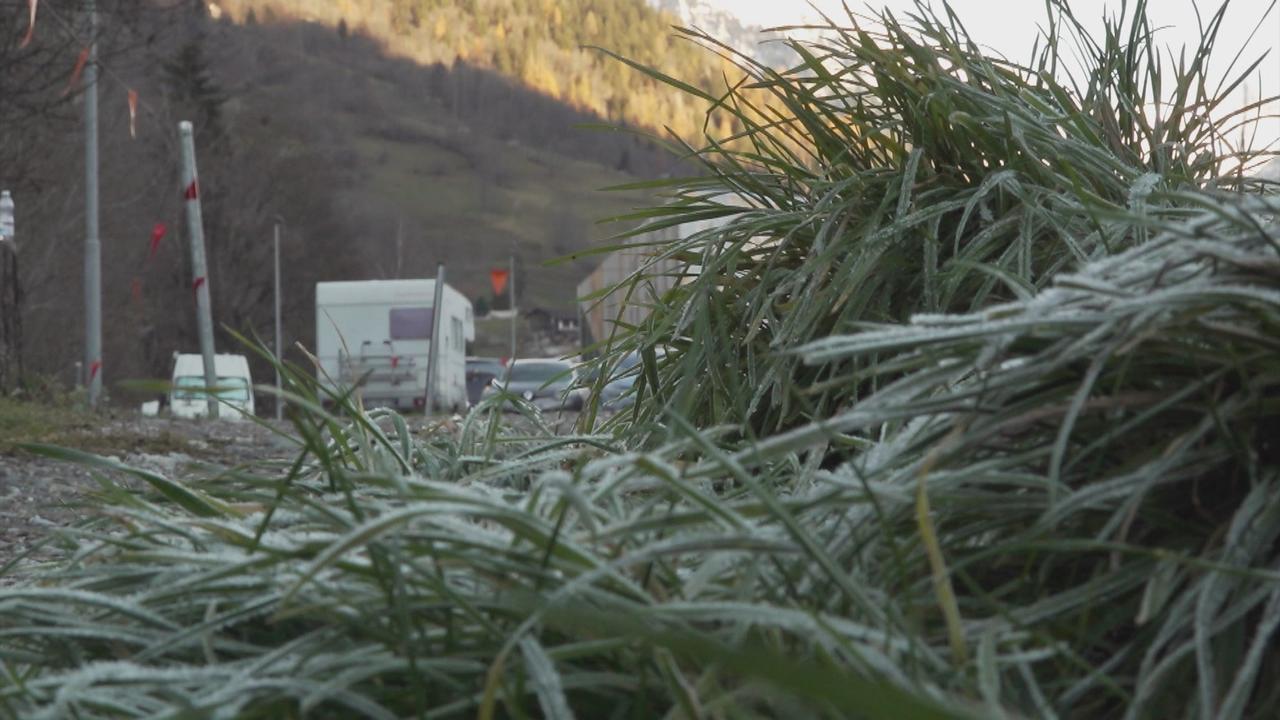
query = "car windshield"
x=231 y=389
x=539 y=372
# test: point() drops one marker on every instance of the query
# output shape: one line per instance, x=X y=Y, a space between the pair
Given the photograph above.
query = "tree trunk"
x=10 y=319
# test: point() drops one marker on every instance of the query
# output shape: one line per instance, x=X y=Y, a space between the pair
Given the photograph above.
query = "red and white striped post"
x=199 y=268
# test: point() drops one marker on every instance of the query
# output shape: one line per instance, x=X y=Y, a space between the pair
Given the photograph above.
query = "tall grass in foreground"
x=897 y=169
x=483 y=571
x=1060 y=498
x=1066 y=506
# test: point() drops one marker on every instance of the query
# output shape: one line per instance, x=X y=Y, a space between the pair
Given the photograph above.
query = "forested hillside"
x=547 y=45
x=378 y=164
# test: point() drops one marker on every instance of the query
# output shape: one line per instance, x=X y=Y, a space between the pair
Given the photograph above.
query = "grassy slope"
x=29 y=422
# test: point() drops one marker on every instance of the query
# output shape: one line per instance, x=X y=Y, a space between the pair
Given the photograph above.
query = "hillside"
x=378 y=165
x=459 y=164
x=550 y=46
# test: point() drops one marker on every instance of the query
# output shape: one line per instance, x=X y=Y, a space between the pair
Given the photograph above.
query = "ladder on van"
x=380 y=365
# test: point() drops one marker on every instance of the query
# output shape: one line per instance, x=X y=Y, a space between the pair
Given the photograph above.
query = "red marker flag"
x=195 y=286
x=31 y=23
x=157 y=234
x=192 y=192
x=133 y=114
x=499 y=280
x=81 y=60
x=94 y=367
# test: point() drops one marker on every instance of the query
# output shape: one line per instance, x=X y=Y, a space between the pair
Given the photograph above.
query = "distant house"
x=603 y=303
x=567 y=323
x=602 y=306
x=539 y=319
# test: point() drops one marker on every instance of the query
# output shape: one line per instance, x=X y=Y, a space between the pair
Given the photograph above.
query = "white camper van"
x=187 y=398
x=378 y=333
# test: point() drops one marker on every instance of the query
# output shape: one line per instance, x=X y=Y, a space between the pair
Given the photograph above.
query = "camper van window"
x=411 y=323
x=232 y=389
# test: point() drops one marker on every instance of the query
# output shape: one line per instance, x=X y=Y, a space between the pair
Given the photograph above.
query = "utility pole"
x=278 y=349
x=515 y=314
x=199 y=271
x=92 y=243
x=433 y=352
x=399 y=244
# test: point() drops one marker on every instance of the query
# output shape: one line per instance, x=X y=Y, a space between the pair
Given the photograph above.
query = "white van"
x=378 y=333
x=187 y=398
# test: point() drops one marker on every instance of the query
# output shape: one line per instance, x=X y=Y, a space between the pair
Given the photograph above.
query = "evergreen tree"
x=192 y=89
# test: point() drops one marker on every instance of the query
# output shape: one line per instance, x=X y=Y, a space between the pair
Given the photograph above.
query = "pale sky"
x=1010 y=28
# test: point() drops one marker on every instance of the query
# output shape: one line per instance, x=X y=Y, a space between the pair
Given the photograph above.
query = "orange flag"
x=31 y=24
x=79 y=68
x=499 y=280
x=157 y=234
x=133 y=114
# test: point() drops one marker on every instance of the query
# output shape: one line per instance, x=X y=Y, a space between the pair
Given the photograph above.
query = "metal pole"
x=399 y=244
x=199 y=271
x=514 y=313
x=433 y=352
x=278 y=349
x=92 y=243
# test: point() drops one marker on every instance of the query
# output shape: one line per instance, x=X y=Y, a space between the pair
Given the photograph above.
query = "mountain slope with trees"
x=379 y=166
x=546 y=45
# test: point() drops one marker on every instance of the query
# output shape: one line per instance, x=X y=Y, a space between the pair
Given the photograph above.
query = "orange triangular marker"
x=133 y=114
x=31 y=24
x=498 y=278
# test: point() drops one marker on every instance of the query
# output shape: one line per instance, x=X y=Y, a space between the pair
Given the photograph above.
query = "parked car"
x=187 y=396
x=480 y=373
x=619 y=392
x=547 y=384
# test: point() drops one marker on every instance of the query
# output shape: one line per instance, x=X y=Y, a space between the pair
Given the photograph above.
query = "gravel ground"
x=37 y=493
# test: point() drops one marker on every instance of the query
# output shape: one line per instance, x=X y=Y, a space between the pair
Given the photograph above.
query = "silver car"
x=547 y=384
x=619 y=392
